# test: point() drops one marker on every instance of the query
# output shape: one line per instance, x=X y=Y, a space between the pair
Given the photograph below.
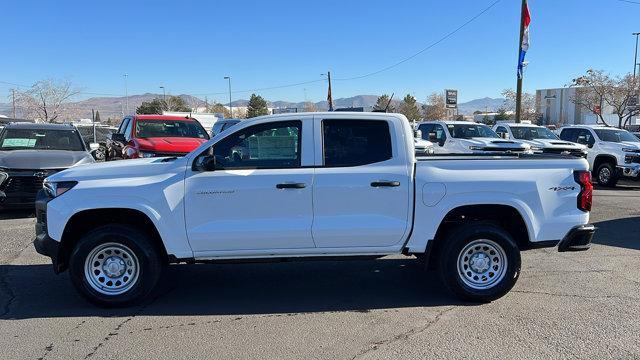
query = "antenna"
x=389 y=103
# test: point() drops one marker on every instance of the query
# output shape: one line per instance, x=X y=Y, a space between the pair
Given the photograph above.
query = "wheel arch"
x=86 y=220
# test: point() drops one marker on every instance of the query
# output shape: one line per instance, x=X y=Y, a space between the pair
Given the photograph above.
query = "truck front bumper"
x=577 y=239
x=44 y=244
x=630 y=170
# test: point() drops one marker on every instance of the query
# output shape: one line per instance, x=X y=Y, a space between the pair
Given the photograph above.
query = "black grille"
x=561 y=151
x=22 y=186
x=629 y=159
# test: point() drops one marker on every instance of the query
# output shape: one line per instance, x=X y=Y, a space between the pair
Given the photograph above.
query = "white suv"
x=541 y=139
x=465 y=137
x=611 y=153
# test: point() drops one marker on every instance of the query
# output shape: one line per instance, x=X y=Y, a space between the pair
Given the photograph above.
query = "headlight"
x=55 y=189
x=631 y=150
x=476 y=147
x=145 y=154
x=430 y=150
x=3 y=177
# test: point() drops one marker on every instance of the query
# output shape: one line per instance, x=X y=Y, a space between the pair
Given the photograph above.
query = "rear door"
x=362 y=184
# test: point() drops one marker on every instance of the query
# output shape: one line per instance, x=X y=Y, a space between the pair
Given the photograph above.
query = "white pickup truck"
x=541 y=139
x=612 y=153
x=311 y=185
x=465 y=137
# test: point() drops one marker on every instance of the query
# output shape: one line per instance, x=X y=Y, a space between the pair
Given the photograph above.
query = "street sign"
x=633 y=101
x=451 y=99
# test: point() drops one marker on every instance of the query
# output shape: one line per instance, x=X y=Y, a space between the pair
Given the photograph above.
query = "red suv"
x=143 y=136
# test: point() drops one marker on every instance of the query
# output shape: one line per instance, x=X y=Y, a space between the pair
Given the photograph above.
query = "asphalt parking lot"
x=565 y=305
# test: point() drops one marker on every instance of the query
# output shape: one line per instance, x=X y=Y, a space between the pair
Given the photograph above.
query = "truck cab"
x=612 y=153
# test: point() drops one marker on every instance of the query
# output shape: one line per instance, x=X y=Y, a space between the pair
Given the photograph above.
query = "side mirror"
x=94 y=146
x=418 y=134
x=433 y=138
x=205 y=163
x=504 y=135
x=118 y=137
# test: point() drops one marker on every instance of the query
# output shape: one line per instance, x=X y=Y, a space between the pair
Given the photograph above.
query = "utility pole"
x=230 y=108
x=126 y=92
x=93 y=121
x=520 y=59
x=13 y=100
x=635 y=59
x=329 y=95
x=164 y=95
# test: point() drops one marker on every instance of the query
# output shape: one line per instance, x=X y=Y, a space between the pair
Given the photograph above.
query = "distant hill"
x=112 y=107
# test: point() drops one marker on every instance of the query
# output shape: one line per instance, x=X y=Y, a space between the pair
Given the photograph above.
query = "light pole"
x=164 y=96
x=635 y=58
x=126 y=92
x=228 y=78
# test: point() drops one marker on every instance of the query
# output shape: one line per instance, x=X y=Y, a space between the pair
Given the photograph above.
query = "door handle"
x=385 y=183
x=291 y=186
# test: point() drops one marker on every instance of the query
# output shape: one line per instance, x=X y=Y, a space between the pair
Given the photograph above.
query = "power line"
x=446 y=36
x=630 y=2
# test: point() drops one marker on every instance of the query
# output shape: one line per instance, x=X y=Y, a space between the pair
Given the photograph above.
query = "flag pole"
x=520 y=75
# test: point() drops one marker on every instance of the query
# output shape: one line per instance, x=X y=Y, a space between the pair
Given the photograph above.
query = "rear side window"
x=355 y=142
x=569 y=135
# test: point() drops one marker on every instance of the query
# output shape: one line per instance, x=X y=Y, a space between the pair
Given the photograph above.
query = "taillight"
x=585 y=197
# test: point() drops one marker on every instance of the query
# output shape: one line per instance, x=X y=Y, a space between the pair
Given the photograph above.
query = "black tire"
x=149 y=264
x=608 y=181
x=451 y=249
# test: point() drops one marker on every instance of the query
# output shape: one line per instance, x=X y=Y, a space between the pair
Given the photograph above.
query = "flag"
x=524 y=46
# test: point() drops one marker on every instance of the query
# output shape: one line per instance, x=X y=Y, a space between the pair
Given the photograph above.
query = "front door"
x=257 y=198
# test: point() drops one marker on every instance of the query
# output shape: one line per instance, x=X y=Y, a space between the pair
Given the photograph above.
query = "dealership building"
x=556 y=107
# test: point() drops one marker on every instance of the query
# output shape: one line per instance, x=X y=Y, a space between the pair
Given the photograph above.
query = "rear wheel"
x=606 y=175
x=115 y=265
x=479 y=262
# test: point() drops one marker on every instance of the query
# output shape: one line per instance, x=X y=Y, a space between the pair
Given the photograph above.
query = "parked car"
x=96 y=141
x=541 y=139
x=464 y=137
x=612 y=153
x=29 y=153
x=313 y=185
x=144 y=136
x=222 y=125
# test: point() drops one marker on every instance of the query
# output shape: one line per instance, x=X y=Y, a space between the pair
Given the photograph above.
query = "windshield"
x=101 y=133
x=532 y=133
x=170 y=128
x=615 y=135
x=47 y=139
x=464 y=131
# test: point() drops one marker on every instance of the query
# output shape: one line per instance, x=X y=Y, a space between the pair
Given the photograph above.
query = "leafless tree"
x=598 y=89
x=527 y=106
x=435 y=108
x=310 y=107
x=44 y=100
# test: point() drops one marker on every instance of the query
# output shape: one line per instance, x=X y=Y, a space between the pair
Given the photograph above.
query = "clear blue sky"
x=189 y=46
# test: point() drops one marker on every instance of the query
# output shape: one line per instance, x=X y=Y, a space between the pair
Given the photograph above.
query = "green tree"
x=152 y=107
x=176 y=103
x=381 y=104
x=257 y=106
x=409 y=108
x=97 y=117
x=501 y=115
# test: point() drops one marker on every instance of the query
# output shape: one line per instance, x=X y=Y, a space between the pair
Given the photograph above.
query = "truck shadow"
x=17 y=214
x=238 y=289
x=623 y=233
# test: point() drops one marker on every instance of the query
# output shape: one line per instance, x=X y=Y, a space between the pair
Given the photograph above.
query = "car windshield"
x=532 y=133
x=170 y=128
x=615 y=135
x=464 y=131
x=40 y=139
x=101 y=133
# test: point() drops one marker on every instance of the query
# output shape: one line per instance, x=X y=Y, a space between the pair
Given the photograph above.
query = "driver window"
x=274 y=145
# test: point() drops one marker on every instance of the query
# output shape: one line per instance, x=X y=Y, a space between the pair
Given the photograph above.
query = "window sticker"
x=18 y=142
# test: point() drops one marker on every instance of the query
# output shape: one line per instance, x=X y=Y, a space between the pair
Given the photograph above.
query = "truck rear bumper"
x=577 y=239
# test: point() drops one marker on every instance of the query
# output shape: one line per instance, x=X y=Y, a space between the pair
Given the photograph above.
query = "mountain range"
x=113 y=107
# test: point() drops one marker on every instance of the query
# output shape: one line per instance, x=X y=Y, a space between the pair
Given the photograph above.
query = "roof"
x=164 y=117
x=39 y=126
x=519 y=125
x=452 y=122
x=591 y=126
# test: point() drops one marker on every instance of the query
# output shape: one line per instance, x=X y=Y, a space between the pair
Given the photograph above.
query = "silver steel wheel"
x=604 y=175
x=111 y=269
x=482 y=264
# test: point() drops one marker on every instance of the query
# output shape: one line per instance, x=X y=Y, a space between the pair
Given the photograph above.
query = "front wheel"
x=114 y=266
x=479 y=262
x=606 y=175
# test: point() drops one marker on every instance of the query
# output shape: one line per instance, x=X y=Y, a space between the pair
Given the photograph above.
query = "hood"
x=494 y=143
x=169 y=144
x=121 y=169
x=553 y=144
x=630 y=145
x=43 y=159
x=422 y=144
